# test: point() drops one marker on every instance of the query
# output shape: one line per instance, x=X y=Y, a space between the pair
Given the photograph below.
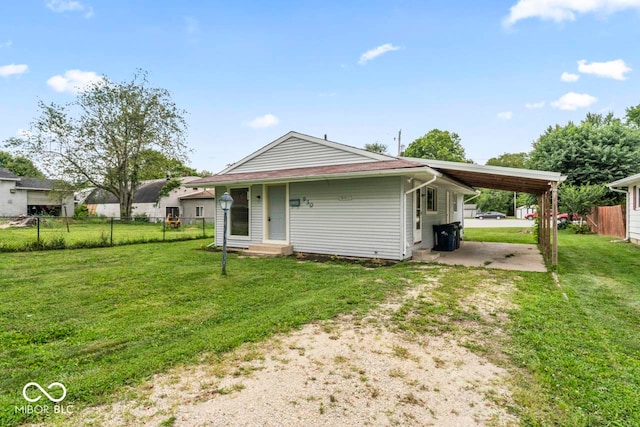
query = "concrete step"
x=424 y=255
x=268 y=249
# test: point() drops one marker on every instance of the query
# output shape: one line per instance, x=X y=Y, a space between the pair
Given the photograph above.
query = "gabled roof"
x=331 y=144
x=386 y=167
x=625 y=182
x=146 y=193
x=35 y=183
x=7 y=175
x=206 y=194
x=495 y=177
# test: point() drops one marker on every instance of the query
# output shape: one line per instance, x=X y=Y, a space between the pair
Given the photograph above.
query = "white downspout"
x=627 y=213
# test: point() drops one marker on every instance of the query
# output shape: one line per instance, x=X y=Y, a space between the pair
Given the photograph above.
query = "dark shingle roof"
x=6 y=173
x=146 y=193
x=43 y=184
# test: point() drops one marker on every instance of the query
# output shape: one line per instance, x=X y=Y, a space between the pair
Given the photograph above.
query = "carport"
x=543 y=184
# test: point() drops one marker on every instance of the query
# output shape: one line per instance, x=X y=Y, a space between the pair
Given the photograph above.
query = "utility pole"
x=399 y=144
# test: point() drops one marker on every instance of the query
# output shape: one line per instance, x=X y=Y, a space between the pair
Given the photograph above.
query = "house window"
x=455 y=202
x=239 y=215
x=431 y=204
x=199 y=211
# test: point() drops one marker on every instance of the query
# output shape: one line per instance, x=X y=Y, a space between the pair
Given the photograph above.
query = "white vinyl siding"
x=634 y=211
x=356 y=217
x=298 y=153
x=40 y=198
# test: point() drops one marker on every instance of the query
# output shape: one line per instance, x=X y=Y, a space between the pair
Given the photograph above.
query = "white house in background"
x=631 y=185
x=30 y=196
x=147 y=201
x=308 y=194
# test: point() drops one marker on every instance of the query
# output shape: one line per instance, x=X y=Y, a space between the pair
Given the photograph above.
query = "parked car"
x=492 y=214
x=561 y=217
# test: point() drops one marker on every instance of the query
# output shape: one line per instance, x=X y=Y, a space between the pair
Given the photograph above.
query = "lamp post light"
x=225 y=203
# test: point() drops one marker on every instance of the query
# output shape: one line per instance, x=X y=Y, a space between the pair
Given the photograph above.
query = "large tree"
x=101 y=138
x=437 y=145
x=155 y=165
x=376 y=147
x=510 y=160
x=19 y=165
x=600 y=149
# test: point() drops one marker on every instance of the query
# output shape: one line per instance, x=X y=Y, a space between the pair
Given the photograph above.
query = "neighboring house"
x=523 y=211
x=319 y=196
x=631 y=185
x=30 y=196
x=198 y=206
x=470 y=210
x=147 y=201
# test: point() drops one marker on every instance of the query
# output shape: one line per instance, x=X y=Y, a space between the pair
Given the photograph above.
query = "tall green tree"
x=600 y=149
x=19 y=165
x=155 y=165
x=101 y=137
x=437 y=145
x=376 y=147
x=510 y=160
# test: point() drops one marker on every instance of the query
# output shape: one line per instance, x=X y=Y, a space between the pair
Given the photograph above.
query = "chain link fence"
x=26 y=233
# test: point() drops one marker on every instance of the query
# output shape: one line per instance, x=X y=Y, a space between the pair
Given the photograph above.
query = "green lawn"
x=507 y=235
x=99 y=319
x=582 y=354
x=95 y=232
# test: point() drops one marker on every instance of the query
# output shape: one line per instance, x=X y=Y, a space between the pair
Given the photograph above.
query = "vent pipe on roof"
x=325 y=136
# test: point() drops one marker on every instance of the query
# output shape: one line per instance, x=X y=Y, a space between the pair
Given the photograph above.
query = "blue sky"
x=498 y=73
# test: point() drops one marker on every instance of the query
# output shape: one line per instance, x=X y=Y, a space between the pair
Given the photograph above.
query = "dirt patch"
x=347 y=371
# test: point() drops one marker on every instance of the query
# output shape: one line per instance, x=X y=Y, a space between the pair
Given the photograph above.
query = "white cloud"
x=12 y=69
x=569 y=77
x=73 y=81
x=572 y=101
x=505 y=115
x=613 y=69
x=265 y=121
x=61 y=6
x=8 y=43
x=564 y=10
x=535 y=105
x=375 y=52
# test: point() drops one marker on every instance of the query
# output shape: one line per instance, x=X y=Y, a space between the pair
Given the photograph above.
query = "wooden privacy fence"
x=608 y=221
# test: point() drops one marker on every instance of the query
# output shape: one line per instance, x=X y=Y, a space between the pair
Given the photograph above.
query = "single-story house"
x=631 y=185
x=198 y=205
x=21 y=195
x=149 y=201
x=317 y=196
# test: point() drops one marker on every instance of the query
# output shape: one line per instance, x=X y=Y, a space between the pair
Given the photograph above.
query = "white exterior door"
x=418 y=197
x=277 y=212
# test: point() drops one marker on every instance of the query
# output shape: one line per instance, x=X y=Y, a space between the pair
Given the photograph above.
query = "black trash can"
x=458 y=229
x=444 y=237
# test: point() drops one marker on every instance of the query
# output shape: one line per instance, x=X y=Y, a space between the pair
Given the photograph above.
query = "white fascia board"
x=321 y=177
x=337 y=145
x=497 y=170
x=624 y=182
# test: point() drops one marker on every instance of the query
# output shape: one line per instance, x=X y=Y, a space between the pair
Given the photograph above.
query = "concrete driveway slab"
x=503 y=256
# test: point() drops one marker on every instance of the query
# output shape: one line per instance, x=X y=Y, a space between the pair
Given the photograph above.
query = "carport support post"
x=554 y=218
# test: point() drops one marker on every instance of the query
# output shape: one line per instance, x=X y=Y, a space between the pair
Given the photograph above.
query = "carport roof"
x=495 y=177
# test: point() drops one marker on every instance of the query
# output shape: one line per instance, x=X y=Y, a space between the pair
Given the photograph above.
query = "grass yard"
x=497 y=234
x=95 y=232
x=100 y=319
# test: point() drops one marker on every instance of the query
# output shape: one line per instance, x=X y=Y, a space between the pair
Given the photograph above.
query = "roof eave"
x=319 y=177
